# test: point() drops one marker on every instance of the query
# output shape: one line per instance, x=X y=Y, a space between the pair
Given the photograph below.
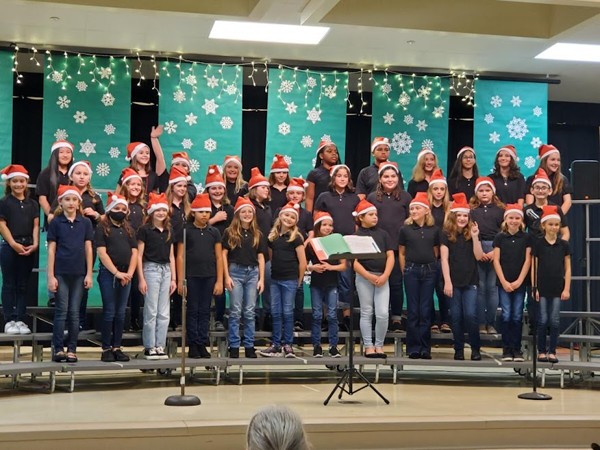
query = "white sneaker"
x=150 y=354
x=161 y=353
x=12 y=329
x=23 y=328
x=9 y=325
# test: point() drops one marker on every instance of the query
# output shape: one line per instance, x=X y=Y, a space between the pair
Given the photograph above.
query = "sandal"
x=542 y=357
x=59 y=357
x=552 y=358
x=71 y=357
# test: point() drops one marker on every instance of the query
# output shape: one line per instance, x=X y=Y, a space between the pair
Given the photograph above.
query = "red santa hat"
x=337 y=167
x=541 y=177
x=481 y=181
x=420 y=199
x=298 y=185
x=181 y=157
x=511 y=150
x=279 y=164
x=379 y=141
x=324 y=144
x=115 y=199
x=424 y=152
x=321 y=216
x=213 y=177
x=157 y=201
x=128 y=173
x=61 y=144
x=363 y=207
x=64 y=190
x=14 y=170
x=437 y=177
x=387 y=165
x=133 y=148
x=513 y=208
x=257 y=179
x=85 y=164
x=176 y=175
x=546 y=150
x=459 y=203
x=232 y=159
x=550 y=212
x=464 y=149
x=243 y=202
x=290 y=207
x=201 y=203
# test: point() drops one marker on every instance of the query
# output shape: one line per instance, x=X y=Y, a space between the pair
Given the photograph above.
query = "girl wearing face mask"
x=509 y=181
x=427 y=163
x=561 y=191
x=464 y=173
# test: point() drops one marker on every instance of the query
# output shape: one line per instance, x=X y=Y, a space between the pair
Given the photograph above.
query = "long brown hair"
x=123 y=190
x=514 y=171
x=556 y=177
x=166 y=224
x=396 y=191
x=185 y=200
x=475 y=203
x=106 y=224
x=252 y=195
x=272 y=179
x=451 y=227
x=234 y=232
x=349 y=187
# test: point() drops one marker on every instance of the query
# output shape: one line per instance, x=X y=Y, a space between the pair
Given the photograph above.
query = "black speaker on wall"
x=585 y=178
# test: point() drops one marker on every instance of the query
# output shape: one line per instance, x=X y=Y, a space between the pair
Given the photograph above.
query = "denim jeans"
x=67 y=298
x=266 y=295
x=156 y=304
x=345 y=288
x=396 y=289
x=324 y=297
x=419 y=282
x=512 y=317
x=114 y=304
x=283 y=293
x=15 y=274
x=487 y=295
x=220 y=307
x=299 y=304
x=464 y=311
x=84 y=298
x=242 y=301
x=199 y=296
x=549 y=314
x=373 y=299
x=443 y=300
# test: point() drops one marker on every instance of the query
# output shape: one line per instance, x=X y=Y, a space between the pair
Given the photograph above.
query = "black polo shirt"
x=439 y=215
x=178 y=217
x=383 y=241
x=419 y=243
x=224 y=223
x=557 y=198
x=465 y=185
x=43 y=184
x=489 y=218
x=320 y=177
x=329 y=278
x=157 y=247
x=118 y=245
x=391 y=212
x=461 y=259
x=512 y=254
x=19 y=215
x=551 y=266
x=87 y=201
x=136 y=216
x=232 y=195
x=245 y=254
x=533 y=219
x=284 y=262
x=263 y=217
x=163 y=184
x=70 y=240
x=150 y=182
x=417 y=186
x=509 y=190
x=200 y=258
x=278 y=198
x=305 y=221
x=340 y=207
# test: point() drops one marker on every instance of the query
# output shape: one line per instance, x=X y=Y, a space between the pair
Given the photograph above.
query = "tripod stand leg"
x=341 y=384
x=368 y=383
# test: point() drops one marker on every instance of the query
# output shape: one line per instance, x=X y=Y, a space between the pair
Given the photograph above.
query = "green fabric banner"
x=6 y=107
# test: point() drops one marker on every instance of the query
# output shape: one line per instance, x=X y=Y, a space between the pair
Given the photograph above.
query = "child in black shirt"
x=279 y=179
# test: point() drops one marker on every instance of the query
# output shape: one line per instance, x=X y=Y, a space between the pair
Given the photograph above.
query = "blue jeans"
x=373 y=299
x=84 y=298
x=487 y=295
x=156 y=304
x=345 y=288
x=282 y=310
x=328 y=297
x=464 y=310
x=67 y=298
x=114 y=304
x=512 y=317
x=299 y=304
x=396 y=289
x=419 y=282
x=443 y=300
x=549 y=315
x=199 y=296
x=242 y=301
x=15 y=274
x=266 y=295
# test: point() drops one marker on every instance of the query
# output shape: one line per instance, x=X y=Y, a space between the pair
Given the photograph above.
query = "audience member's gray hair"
x=276 y=428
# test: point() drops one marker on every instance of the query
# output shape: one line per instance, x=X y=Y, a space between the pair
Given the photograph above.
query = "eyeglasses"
x=540 y=188
x=468 y=157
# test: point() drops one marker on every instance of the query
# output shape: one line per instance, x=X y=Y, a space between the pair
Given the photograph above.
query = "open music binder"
x=335 y=246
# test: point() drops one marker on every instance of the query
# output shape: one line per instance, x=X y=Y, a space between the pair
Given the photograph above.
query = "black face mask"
x=117 y=216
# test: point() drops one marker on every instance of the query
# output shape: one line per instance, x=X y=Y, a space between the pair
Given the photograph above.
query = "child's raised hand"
x=218 y=289
x=156 y=131
x=228 y=284
x=565 y=295
x=52 y=284
x=474 y=229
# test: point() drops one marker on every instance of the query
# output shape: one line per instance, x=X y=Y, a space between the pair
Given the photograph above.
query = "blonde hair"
x=474 y=202
x=234 y=231
x=451 y=227
x=276 y=231
x=59 y=209
x=239 y=181
x=185 y=200
x=504 y=226
x=429 y=221
x=418 y=173
x=556 y=177
x=445 y=200
x=166 y=223
x=123 y=189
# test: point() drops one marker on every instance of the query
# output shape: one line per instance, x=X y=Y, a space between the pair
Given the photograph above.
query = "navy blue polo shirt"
x=70 y=240
x=19 y=215
x=340 y=207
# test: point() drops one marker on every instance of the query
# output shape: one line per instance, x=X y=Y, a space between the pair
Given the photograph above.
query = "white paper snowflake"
x=330 y=91
x=61 y=134
x=286 y=86
x=494 y=137
x=388 y=118
x=386 y=88
x=496 y=101
x=210 y=145
x=306 y=141
x=516 y=101
x=438 y=111
x=402 y=143
x=311 y=82
x=114 y=152
x=87 y=148
x=105 y=72
x=63 y=102
x=427 y=143
x=179 y=96
x=191 y=80
x=404 y=99
x=306 y=279
x=313 y=162
x=108 y=99
x=103 y=169
x=80 y=117
x=191 y=119
x=109 y=129
x=210 y=106
x=313 y=115
x=529 y=162
x=212 y=82
x=408 y=119
x=488 y=118
x=422 y=125
x=536 y=142
x=231 y=89
x=326 y=138
x=537 y=111
x=194 y=165
x=187 y=144
x=199 y=188
x=56 y=76
x=287 y=159
x=424 y=92
x=517 y=128
x=226 y=123
x=81 y=86
x=170 y=127
x=284 y=128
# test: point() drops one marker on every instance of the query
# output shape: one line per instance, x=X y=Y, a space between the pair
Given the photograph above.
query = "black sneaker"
x=518 y=356
x=459 y=355
x=507 y=355
x=107 y=356
x=475 y=354
x=204 y=354
x=414 y=355
x=218 y=326
x=51 y=302
x=193 y=351
x=425 y=355
x=151 y=354
x=234 y=353
x=250 y=352
x=288 y=351
x=268 y=323
x=396 y=327
x=334 y=352
x=298 y=326
x=120 y=356
x=160 y=352
x=318 y=351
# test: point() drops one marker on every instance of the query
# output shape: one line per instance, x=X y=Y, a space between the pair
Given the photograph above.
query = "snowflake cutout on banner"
x=212 y=82
x=109 y=129
x=190 y=119
x=402 y=143
x=105 y=72
x=311 y=82
x=516 y=101
x=422 y=125
x=330 y=91
x=187 y=144
x=194 y=165
x=56 y=77
x=287 y=159
x=404 y=99
x=386 y=88
x=488 y=118
x=231 y=89
x=170 y=127
x=81 y=86
x=517 y=128
x=284 y=128
x=108 y=99
x=496 y=101
x=313 y=162
x=191 y=80
x=114 y=152
x=226 y=123
x=286 y=86
x=306 y=279
x=494 y=137
x=438 y=111
x=408 y=119
x=61 y=135
x=306 y=141
x=63 y=102
x=388 y=118
x=537 y=111
x=199 y=188
x=536 y=142
x=529 y=162
x=103 y=169
x=313 y=115
x=210 y=106
x=80 y=117
x=424 y=92
x=87 y=148
x=210 y=145
x=427 y=143
x=179 y=96
x=291 y=107
x=326 y=138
